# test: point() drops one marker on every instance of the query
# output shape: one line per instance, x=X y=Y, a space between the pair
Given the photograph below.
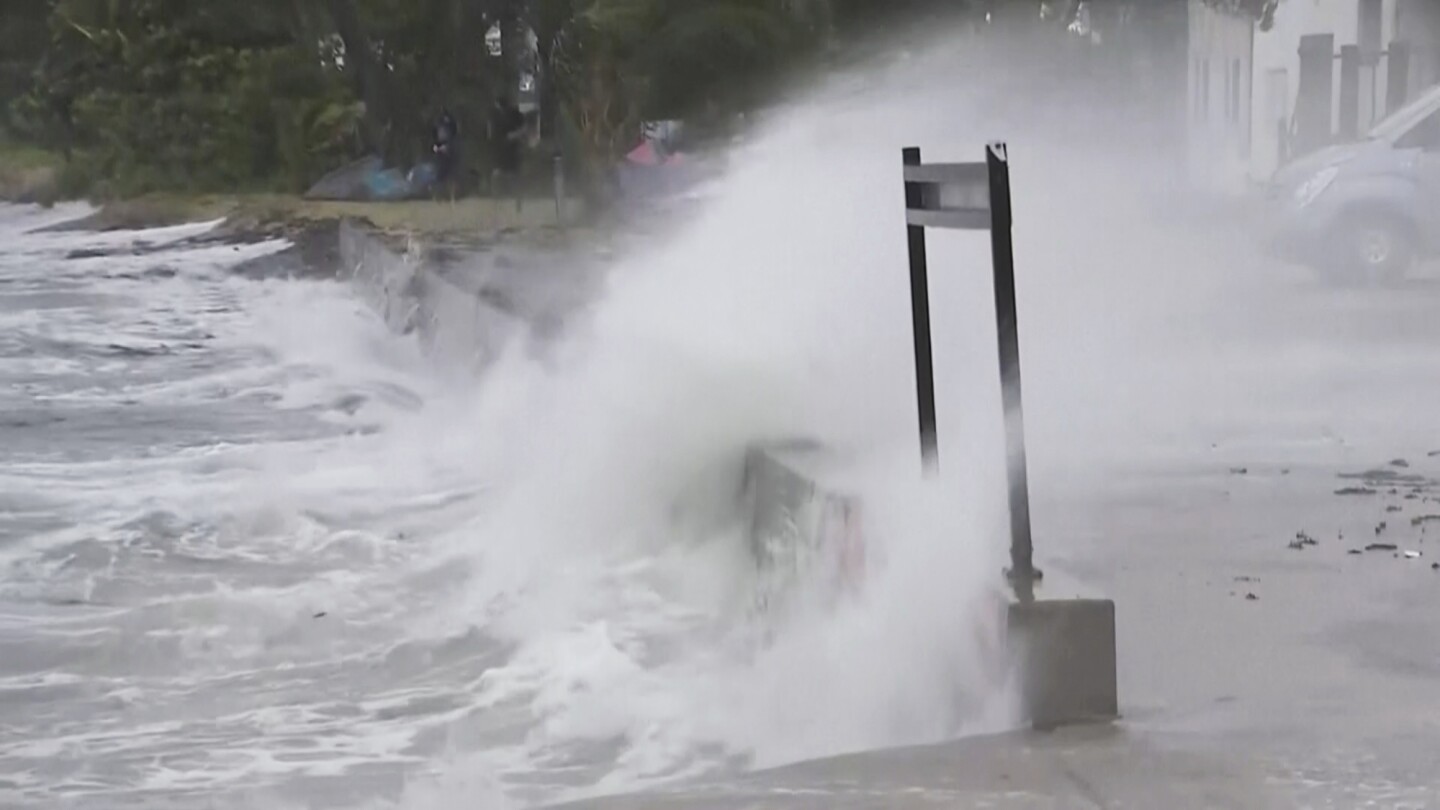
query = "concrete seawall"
x=456 y=325
x=804 y=529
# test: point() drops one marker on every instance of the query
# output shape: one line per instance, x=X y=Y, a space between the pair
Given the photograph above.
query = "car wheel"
x=1372 y=250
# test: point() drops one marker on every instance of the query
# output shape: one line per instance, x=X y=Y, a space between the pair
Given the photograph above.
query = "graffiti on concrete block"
x=805 y=540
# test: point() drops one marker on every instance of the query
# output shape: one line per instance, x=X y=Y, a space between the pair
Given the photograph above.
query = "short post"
x=1314 y=94
x=1397 y=68
x=1349 y=93
x=559 y=172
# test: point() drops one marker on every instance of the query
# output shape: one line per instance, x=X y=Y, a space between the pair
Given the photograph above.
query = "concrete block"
x=806 y=526
x=1064 y=650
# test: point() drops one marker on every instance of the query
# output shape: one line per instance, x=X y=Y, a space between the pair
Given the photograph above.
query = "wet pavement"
x=1277 y=590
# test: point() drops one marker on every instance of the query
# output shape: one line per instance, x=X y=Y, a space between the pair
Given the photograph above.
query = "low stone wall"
x=456 y=325
x=806 y=527
x=805 y=531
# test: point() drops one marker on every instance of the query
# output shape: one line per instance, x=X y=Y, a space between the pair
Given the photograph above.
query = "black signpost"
x=972 y=196
x=1064 y=647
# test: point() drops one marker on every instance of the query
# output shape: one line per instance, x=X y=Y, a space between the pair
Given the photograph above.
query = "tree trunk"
x=365 y=73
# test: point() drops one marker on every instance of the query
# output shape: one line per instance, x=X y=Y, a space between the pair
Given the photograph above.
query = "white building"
x=1221 y=69
x=1244 y=83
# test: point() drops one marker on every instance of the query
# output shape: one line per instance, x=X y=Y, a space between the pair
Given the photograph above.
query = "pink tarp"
x=647 y=155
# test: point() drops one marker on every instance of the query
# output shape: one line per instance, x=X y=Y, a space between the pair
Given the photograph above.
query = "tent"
x=367 y=179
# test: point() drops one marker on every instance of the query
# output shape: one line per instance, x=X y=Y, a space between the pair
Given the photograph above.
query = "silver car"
x=1364 y=212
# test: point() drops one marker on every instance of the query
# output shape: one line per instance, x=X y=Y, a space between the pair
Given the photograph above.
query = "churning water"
x=257 y=551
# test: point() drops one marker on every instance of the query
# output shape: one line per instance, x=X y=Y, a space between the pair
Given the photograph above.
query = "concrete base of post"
x=1064 y=650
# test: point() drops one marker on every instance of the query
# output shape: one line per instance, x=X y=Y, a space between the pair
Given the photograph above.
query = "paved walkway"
x=1078 y=768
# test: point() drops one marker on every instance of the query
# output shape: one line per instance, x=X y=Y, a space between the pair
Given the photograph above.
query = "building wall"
x=1277 y=67
x=1220 y=90
x=1418 y=21
x=1231 y=153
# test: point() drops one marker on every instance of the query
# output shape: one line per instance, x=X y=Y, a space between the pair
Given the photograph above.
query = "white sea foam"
x=534 y=585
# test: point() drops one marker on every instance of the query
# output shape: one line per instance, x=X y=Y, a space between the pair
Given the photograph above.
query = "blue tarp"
x=368 y=179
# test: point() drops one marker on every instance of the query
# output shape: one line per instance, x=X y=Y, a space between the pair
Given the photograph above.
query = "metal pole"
x=920 y=315
x=559 y=169
x=1022 y=569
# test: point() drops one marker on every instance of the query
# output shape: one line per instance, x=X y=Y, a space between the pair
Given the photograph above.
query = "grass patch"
x=28 y=173
x=21 y=157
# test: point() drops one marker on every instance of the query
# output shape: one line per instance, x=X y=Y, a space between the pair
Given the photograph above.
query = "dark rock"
x=1250 y=597
x=1356 y=551
x=1374 y=477
x=1392 y=509
x=1400 y=462
x=1239 y=471
x=1381 y=547
x=1424 y=519
x=1355 y=491
x=322 y=614
x=350 y=404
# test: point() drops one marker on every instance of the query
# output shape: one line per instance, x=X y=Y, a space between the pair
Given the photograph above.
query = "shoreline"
x=312 y=226
x=265 y=215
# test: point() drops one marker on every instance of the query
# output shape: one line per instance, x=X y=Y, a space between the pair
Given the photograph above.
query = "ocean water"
x=258 y=551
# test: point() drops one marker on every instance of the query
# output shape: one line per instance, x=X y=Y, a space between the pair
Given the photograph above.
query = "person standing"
x=445 y=146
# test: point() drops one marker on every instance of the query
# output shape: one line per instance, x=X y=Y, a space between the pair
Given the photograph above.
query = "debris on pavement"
x=1423 y=519
x=1302 y=540
x=1355 y=491
x=1392 y=509
x=1382 y=547
x=1250 y=597
x=1412 y=555
x=1400 y=462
